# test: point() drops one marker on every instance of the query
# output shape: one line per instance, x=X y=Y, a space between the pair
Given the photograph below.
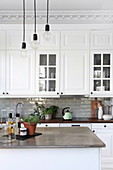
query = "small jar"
x=23 y=131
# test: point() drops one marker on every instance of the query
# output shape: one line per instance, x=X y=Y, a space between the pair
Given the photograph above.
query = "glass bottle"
x=17 y=123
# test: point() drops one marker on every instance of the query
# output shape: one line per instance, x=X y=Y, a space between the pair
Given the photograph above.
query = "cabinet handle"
x=7 y=93
x=93 y=130
x=61 y=92
x=46 y=125
x=105 y=126
x=91 y=92
x=57 y=93
x=3 y=92
x=75 y=125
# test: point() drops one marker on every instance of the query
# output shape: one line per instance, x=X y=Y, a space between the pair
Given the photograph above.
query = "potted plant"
x=49 y=111
x=30 y=122
x=39 y=110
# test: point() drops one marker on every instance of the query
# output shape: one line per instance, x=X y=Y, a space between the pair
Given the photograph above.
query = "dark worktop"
x=88 y=120
x=58 y=137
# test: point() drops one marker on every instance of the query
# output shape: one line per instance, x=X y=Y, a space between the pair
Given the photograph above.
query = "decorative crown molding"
x=58 y=17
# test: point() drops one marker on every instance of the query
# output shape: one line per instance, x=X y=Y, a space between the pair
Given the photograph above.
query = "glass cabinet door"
x=101 y=72
x=47 y=73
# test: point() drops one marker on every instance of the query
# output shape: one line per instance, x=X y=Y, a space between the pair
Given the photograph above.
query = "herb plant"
x=31 y=118
x=52 y=109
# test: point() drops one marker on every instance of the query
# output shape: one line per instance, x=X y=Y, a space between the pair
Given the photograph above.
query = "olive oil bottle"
x=11 y=134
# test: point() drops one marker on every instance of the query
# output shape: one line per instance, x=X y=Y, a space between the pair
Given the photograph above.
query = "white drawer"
x=48 y=125
x=75 y=125
x=102 y=125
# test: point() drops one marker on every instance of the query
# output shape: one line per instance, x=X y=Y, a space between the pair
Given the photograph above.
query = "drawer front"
x=48 y=125
x=102 y=125
x=75 y=125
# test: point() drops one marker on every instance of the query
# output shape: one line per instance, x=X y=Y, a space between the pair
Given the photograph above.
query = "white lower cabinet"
x=75 y=125
x=105 y=132
x=48 y=125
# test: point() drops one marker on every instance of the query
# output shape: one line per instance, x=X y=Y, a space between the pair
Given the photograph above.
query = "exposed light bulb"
x=35 y=42
x=23 y=53
x=47 y=34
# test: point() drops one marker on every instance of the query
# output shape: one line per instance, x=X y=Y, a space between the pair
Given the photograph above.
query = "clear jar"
x=8 y=134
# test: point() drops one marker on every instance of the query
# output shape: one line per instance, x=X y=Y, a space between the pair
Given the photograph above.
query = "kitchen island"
x=57 y=148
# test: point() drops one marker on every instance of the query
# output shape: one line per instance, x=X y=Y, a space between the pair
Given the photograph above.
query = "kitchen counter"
x=59 y=137
x=88 y=120
x=57 y=148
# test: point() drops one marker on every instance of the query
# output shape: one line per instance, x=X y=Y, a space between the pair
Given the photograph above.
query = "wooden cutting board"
x=94 y=107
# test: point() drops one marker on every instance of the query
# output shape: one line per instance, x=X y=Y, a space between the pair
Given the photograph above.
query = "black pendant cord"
x=35 y=16
x=23 y=20
x=47 y=10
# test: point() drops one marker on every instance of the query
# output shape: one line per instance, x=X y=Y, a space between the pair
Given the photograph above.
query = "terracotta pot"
x=31 y=128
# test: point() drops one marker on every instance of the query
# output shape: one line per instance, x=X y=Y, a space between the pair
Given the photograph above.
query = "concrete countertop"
x=89 y=120
x=58 y=137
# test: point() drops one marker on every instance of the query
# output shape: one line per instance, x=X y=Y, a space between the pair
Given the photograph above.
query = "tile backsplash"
x=79 y=106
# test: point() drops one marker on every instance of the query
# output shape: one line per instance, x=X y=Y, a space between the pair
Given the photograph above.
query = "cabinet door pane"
x=52 y=72
x=52 y=59
x=97 y=59
x=97 y=85
x=106 y=84
x=97 y=72
x=106 y=72
x=42 y=72
x=106 y=59
x=43 y=85
x=52 y=85
x=43 y=59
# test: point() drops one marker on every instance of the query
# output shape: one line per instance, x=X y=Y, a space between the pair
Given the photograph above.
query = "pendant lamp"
x=35 y=42
x=23 y=50
x=47 y=34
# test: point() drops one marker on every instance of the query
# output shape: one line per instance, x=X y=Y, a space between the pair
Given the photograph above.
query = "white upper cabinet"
x=52 y=44
x=2 y=40
x=74 y=40
x=101 y=39
x=14 y=40
x=20 y=74
x=101 y=73
x=47 y=74
x=74 y=72
x=2 y=72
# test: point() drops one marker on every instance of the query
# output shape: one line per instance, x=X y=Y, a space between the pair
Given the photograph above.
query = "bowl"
x=107 y=117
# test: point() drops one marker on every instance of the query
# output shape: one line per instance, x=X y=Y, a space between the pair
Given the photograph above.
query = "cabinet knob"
x=93 y=130
x=7 y=93
x=91 y=92
x=104 y=125
x=61 y=92
x=3 y=93
x=46 y=125
x=57 y=93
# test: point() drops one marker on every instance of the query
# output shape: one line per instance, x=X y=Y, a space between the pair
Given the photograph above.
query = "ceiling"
x=57 y=5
